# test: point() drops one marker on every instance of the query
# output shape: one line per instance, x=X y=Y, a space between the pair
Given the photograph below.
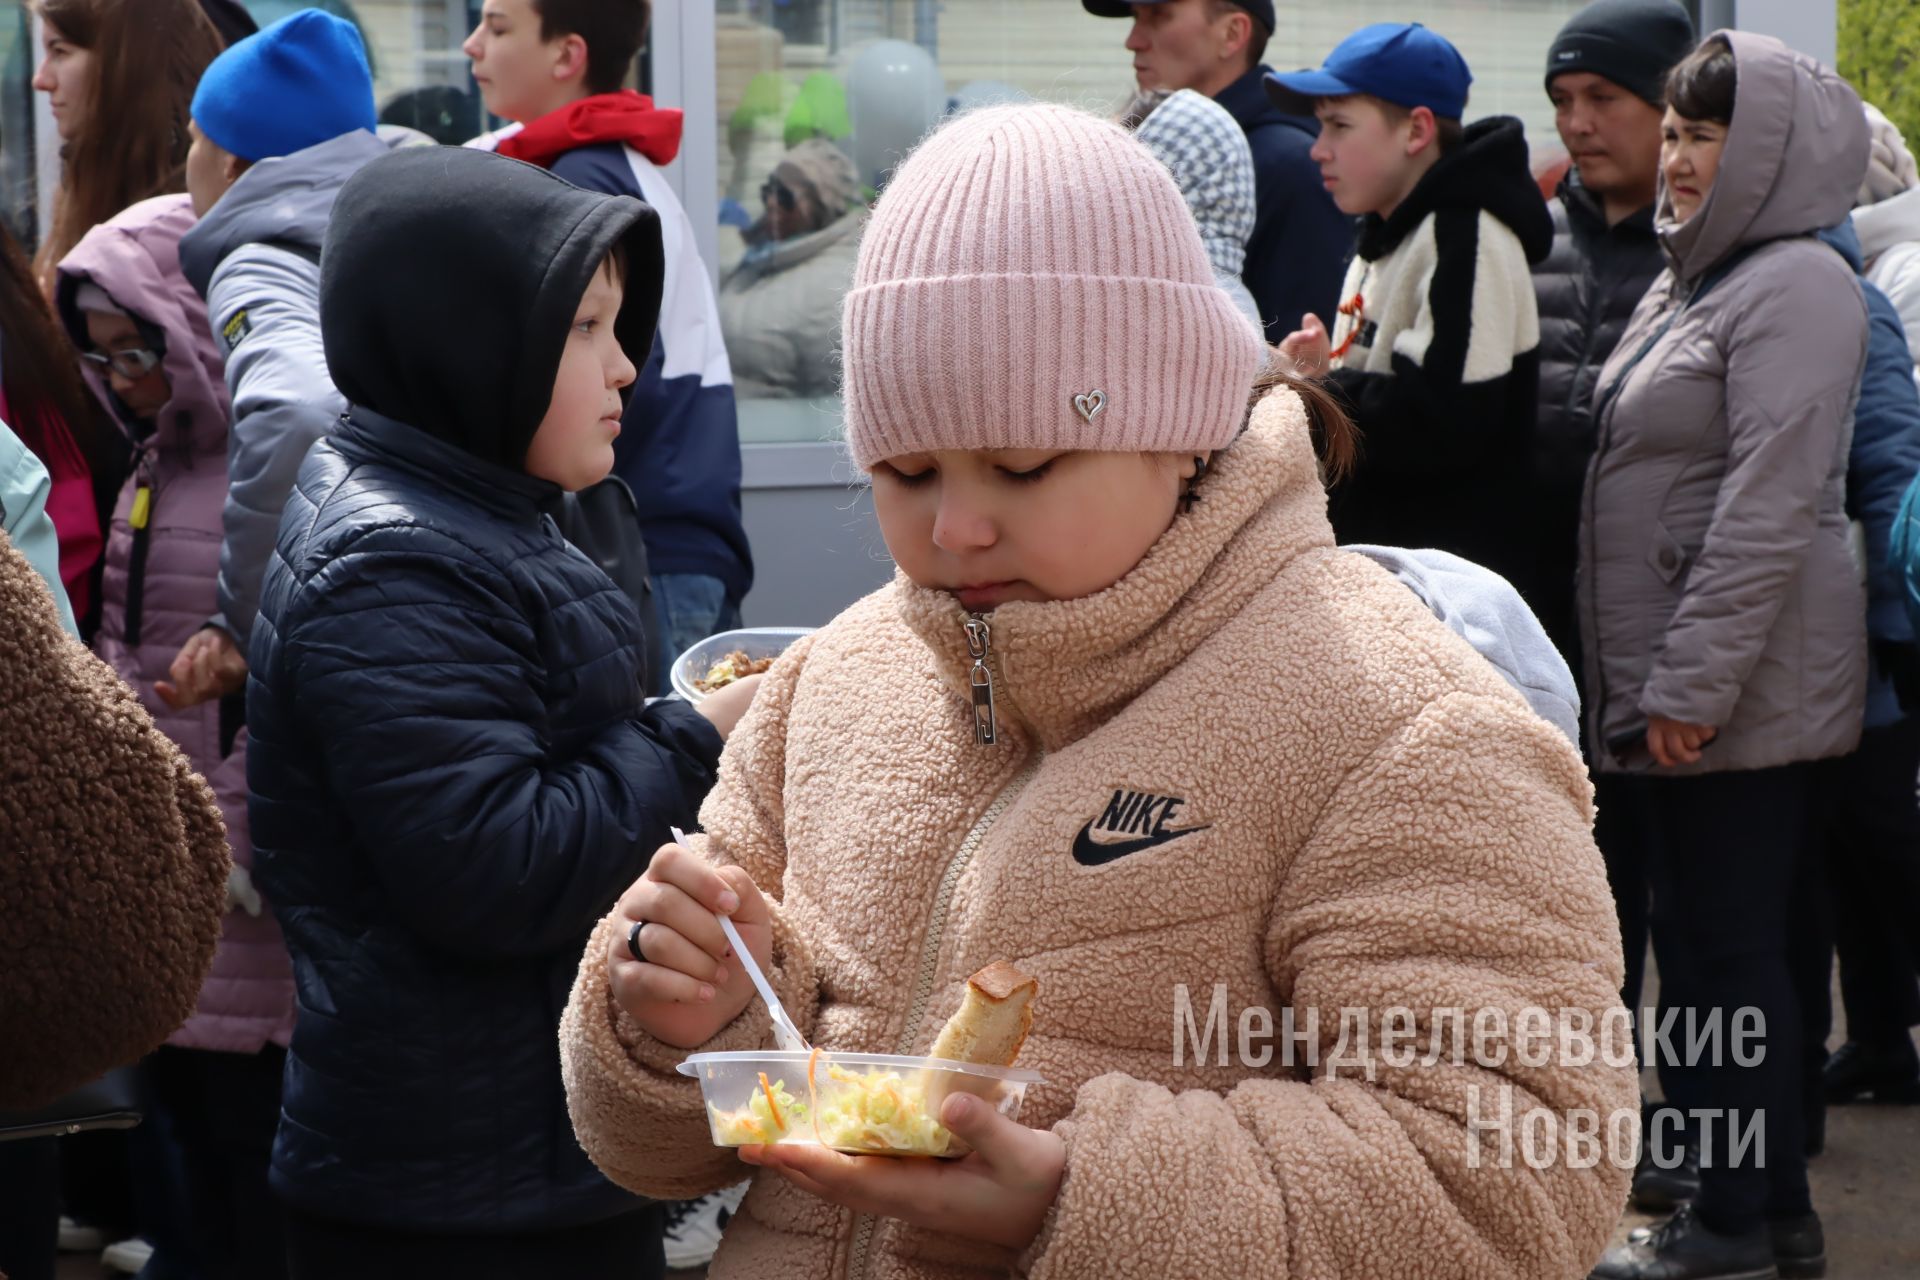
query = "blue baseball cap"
x=1261 y=11
x=1400 y=62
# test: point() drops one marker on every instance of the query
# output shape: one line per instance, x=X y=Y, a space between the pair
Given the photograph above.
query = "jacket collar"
x=1487 y=171
x=1585 y=209
x=514 y=495
x=1247 y=101
x=625 y=117
x=280 y=200
x=1063 y=668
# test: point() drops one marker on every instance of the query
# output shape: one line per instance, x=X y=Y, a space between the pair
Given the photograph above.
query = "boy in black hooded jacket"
x=453 y=769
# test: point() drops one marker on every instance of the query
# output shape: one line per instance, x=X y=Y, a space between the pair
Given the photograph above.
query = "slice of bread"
x=993 y=1020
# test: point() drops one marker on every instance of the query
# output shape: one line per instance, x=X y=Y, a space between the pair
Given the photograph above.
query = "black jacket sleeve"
x=421 y=681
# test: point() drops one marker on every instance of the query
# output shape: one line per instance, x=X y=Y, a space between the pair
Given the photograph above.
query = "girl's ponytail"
x=1335 y=438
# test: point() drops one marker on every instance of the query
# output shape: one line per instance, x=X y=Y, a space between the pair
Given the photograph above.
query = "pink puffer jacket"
x=159 y=588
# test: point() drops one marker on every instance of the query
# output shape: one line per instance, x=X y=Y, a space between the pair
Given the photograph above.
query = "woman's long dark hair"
x=41 y=374
x=132 y=142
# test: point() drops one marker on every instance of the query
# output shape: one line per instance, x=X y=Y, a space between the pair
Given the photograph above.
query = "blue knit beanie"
x=300 y=82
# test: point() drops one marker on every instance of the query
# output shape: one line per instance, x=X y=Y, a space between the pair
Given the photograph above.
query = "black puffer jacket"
x=453 y=772
x=1587 y=288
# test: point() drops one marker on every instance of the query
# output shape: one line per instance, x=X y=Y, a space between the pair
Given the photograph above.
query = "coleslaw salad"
x=868 y=1104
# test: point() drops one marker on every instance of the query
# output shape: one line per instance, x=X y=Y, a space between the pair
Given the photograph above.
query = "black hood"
x=1488 y=170
x=449 y=282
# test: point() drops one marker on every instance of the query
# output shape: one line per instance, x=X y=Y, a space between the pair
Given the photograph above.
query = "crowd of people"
x=1575 y=531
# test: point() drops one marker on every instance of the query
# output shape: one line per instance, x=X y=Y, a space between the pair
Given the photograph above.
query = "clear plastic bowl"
x=755 y=642
x=850 y=1091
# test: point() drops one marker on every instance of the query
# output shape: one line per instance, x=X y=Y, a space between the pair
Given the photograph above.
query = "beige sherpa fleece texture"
x=1385 y=824
x=113 y=860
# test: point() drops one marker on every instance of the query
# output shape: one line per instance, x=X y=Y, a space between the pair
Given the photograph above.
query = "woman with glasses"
x=150 y=355
x=780 y=308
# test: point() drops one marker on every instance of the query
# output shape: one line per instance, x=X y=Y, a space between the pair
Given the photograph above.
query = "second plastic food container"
x=755 y=642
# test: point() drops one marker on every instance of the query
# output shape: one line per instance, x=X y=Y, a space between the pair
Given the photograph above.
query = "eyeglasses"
x=773 y=190
x=137 y=362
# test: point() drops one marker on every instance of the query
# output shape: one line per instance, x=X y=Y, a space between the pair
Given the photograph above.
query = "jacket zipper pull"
x=980 y=644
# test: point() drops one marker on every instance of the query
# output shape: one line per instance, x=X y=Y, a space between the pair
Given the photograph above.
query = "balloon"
x=894 y=95
x=988 y=93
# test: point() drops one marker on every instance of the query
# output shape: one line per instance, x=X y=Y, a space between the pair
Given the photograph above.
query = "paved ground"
x=1866 y=1187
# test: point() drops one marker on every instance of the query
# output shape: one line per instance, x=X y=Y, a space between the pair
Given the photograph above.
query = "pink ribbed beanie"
x=1032 y=279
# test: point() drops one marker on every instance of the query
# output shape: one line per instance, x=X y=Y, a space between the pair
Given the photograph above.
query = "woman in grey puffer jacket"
x=1722 y=616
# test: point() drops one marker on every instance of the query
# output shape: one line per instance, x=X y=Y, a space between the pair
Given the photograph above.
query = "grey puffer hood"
x=1794 y=156
x=1483 y=609
x=287 y=200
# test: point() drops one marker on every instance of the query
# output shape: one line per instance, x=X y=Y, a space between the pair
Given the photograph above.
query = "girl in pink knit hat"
x=1128 y=719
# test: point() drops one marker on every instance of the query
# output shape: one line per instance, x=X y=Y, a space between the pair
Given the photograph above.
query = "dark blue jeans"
x=625 y=1248
x=692 y=607
x=1723 y=852
x=222 y=1109
x=30 y=1222
x=1873 y=841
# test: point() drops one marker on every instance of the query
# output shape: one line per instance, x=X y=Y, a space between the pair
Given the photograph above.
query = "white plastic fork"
x=785 y=1034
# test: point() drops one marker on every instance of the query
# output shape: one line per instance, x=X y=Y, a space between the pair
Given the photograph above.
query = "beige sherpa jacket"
x=1256 y=760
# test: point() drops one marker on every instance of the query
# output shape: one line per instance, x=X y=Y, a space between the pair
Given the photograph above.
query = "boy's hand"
x=689 y=987
x=241 y=895
x=1675 y=742
x=725 y=705
x=1309 y=347
x=209 y=665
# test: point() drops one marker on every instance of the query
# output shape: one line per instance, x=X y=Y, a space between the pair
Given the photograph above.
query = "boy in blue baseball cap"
x=1435 y=344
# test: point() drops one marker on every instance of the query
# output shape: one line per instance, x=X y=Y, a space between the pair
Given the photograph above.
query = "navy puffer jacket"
x=453 y=770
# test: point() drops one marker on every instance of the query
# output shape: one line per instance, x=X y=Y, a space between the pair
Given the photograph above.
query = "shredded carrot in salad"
x=773 y=1104
x=813 y=1096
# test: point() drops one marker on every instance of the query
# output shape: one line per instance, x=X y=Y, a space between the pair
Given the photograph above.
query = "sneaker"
x=694 y=1227
x=1683 y=1248
x=79 y=1237
x=127 y=1256
x=1657 y=1190
x=1799 y=1246
x=1889 y=1074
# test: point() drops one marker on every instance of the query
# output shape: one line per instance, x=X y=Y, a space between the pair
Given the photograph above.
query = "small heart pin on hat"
x=1089 y=405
